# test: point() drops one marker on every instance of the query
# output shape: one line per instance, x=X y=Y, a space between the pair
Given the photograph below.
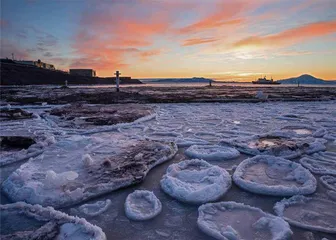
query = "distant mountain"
x=305 y=79
x=179 y=80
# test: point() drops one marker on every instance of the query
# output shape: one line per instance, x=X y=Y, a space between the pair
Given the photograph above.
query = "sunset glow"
x=231 y=40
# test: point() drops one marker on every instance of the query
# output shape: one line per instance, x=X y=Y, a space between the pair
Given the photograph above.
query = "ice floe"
x=211 y=152
x=231 y=220
x=329 y=182
x=265 y=174
x=303 y=130
x=186 y=142
x=310 y=213
x=79 y=168
x=320 y=163
x=95 y=209
x=277 y=144
x=195 y=181
x=142 y=205
x=163 y=136
x=19 y=220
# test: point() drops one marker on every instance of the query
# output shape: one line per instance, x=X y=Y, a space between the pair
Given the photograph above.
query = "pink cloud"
x=290 y=36
x=224 y=15
x=197 y=41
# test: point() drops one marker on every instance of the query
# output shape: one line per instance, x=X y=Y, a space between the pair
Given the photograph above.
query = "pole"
x=117 y=80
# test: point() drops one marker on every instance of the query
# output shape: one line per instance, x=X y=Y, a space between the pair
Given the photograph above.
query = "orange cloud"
x=222 y=16
x=109 y=35
x=150 y=53
x=197 y=41
x=290 y=36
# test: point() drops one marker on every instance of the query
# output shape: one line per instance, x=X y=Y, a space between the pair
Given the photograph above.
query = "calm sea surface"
x=184 y=85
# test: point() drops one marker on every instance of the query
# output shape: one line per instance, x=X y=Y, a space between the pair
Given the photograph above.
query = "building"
x=83 y=72
x=37 y=63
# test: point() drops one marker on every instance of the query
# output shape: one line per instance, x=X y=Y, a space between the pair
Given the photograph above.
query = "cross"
x=117 y=79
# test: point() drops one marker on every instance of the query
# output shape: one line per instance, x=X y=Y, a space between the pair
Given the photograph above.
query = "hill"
x=16 y=74
x=305 y=79
x=179 y=80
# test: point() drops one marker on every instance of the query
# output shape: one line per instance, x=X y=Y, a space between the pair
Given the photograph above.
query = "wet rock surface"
x=150 y=94
x=7 y=142
x=7 y=114
x=83 y=115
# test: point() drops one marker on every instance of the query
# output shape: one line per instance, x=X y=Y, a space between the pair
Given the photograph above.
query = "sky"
x=229 y=40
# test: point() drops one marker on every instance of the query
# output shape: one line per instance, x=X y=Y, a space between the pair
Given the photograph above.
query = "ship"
x=265 y=81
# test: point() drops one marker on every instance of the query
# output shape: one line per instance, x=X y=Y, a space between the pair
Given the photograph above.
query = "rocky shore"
x=149 y=94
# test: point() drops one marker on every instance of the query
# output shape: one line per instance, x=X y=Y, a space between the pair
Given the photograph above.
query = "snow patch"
x=142 y=205
x=274 y=176
x=195 y=181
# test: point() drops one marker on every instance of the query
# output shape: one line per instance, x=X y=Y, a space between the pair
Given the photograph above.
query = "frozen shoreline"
x=186 y=124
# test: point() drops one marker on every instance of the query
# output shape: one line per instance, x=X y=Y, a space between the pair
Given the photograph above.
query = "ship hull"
x=270 y=83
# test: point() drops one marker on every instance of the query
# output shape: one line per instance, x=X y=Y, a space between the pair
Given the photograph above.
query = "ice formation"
x=329 y=182
x=320 y=163
x=142 y=205
x=64 y=174
x=8 y=158
x=211 y=152
x=231 y=220
x=304 y=130
x=261 y=95
x=310 y=213
x=277 y=144
x=275 y=176
x=95 y=209
x=50 y=224
x=195 y=181
x=187 y=142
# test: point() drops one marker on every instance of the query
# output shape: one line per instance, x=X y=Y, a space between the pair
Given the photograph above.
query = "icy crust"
x=58 y=225
x=195 y=181
x=234 y=221
x=187 y=142
x=164 y=136
x=142 y=205
x=79 y=168
x=274 y=176
x=310 y=213
x=95 y=209
x=320 y=163
x=18 y=156
x=280 y=144
x=24 y=154
x=211 y=152
x=305 y=130
x=329 y=182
